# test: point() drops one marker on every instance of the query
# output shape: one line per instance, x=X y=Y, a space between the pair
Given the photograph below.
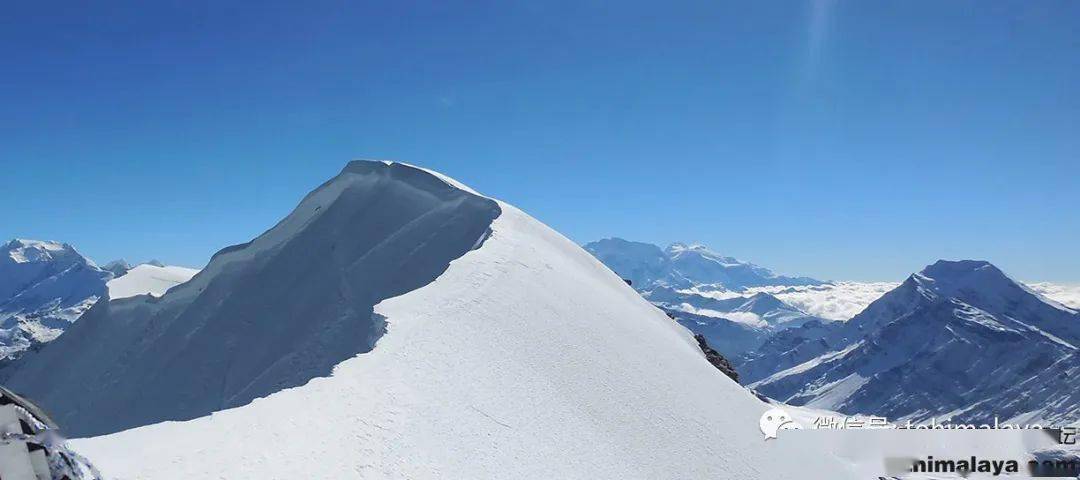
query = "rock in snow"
x=716 y=359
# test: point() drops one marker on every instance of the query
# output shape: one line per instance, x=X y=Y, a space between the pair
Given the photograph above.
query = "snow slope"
x=147 y=279
x=44 y=287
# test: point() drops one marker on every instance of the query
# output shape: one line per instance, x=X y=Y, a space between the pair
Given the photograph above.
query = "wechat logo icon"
x=774 y=420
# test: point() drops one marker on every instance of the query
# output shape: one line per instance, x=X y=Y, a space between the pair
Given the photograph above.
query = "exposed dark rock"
x=118 y=267
x=716 y=359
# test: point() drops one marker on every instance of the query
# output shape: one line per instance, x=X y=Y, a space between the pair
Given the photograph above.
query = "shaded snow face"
x=264 y=316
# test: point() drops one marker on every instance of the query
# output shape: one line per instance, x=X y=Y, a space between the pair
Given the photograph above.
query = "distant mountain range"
x=681 y=266
x=959 y=339
x=45 y=286
x=713 y=295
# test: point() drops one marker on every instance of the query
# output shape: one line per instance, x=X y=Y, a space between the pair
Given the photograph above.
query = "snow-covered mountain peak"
x=26 y=251
x=679 y=247
x=265 y=315
x=946 y=278
x=977 y=283
x=997 y=332
x=44 y=286
x=681 y=250
x=766 y=301
x=953 y=269
x=493 y=332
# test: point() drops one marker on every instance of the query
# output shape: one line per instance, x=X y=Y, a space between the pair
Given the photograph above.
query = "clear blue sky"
x=838 y=139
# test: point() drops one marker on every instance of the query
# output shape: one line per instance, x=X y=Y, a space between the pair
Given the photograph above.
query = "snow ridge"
x=263 y=316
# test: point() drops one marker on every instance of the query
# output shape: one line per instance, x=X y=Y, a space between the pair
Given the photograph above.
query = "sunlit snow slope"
x=148 y=279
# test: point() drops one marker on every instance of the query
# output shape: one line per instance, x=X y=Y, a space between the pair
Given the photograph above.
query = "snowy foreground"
x=525 y=359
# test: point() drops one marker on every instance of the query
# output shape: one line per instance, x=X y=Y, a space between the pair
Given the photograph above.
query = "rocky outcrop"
x=716 y=359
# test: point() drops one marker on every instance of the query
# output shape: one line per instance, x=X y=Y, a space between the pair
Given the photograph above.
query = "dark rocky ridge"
x=716 y=359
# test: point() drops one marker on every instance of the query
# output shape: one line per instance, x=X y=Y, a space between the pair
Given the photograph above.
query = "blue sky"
x=838 y=139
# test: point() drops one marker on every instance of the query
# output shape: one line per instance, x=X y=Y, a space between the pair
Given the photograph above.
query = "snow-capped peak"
x=25 y=251
x=946 y=277
x=293 y=302
x=678 y=250
x=44 y=286
x=975 y=281
x=966 y=313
